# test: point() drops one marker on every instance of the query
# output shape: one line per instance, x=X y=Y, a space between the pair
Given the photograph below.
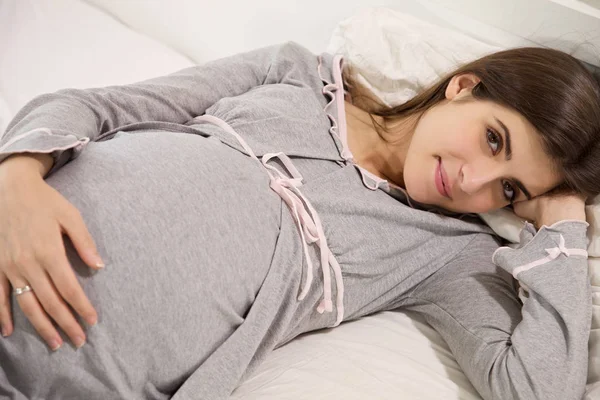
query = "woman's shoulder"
x=293 y=51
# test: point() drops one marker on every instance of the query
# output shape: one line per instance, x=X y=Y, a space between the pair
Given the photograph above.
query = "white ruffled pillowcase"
x=396 y=55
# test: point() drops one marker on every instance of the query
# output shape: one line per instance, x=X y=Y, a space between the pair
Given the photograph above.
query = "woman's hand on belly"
x=33 y=217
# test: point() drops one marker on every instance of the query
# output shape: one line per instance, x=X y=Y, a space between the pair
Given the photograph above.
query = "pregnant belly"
x=187 y=227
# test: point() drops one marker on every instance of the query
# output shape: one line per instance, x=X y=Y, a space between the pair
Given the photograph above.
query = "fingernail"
x=79 y=341
x=6 y=330
x=98 y=263
x=55 y=344
x=91 y=321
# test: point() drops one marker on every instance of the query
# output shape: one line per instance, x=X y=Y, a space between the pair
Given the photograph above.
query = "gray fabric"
x=205 y=262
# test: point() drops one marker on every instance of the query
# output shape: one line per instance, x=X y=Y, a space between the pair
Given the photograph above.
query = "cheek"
x=449 y=136
x=465 y=141
x=418 y=172
x=480 y=203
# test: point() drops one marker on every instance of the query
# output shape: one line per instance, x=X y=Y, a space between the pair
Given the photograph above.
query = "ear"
x=461 y=85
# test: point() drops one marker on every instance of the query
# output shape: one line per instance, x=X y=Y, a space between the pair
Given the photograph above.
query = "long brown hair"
x=551 y=89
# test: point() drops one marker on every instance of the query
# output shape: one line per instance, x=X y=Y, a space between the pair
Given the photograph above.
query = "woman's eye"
x=494 y=141
x=509 y=191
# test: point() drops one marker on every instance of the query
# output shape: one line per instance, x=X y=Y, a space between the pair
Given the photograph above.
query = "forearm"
x=550 y=343
x=62 y=123
x=509 y=350
x=40 y=162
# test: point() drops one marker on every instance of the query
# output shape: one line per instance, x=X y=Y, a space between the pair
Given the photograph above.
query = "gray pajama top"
x=232 y=218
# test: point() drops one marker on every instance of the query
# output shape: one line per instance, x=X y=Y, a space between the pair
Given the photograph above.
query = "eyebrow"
x=508 y=156
x=523 y=189
x=508 y=148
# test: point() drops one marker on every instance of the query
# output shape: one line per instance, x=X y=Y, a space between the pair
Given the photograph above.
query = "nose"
x=474 y=177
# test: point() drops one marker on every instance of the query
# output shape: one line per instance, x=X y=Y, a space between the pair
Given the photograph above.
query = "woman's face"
x=473 y=156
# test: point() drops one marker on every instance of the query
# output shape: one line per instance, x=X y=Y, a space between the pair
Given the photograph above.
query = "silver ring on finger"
x=21 y=290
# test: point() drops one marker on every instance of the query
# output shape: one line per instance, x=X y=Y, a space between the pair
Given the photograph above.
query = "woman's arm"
x=64 y=121
x=41 y=162
x=538 y=350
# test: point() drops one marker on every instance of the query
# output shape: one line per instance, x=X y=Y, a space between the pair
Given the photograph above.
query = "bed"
x=48 y=45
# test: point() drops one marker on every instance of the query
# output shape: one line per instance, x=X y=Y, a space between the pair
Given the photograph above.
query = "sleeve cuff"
x=42 y=140
x=564 y=238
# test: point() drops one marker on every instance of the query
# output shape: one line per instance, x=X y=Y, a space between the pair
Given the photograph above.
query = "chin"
x=418 y=193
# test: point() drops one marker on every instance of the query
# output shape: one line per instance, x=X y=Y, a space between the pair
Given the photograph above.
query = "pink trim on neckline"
x=339 y=125
x=338 y=61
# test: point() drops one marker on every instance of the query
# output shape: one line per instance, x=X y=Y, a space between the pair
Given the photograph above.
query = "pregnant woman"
x=158 y=240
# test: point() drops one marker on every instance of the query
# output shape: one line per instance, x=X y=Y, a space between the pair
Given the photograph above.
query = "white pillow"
x=395 y=56
x=50 y=45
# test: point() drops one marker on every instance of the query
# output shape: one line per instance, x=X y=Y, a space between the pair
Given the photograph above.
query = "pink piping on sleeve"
x=24 y=135
x=553 y=253
x=80 y=142
x=579 y=221
x=307 y=221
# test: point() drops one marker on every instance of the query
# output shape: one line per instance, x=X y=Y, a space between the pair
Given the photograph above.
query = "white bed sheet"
x=50 y=45
x=389 y=355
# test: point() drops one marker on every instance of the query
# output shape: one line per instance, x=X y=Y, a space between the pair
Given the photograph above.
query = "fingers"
x=6 y=326
x=37 y=317
x=74 y=226
x=65 y=282
x=59 y=287
x=46 y=302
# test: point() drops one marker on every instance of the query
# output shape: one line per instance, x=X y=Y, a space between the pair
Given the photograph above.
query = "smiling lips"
x=441 y=180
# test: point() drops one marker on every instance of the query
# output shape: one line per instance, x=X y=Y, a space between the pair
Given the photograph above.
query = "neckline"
x=338 y=62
